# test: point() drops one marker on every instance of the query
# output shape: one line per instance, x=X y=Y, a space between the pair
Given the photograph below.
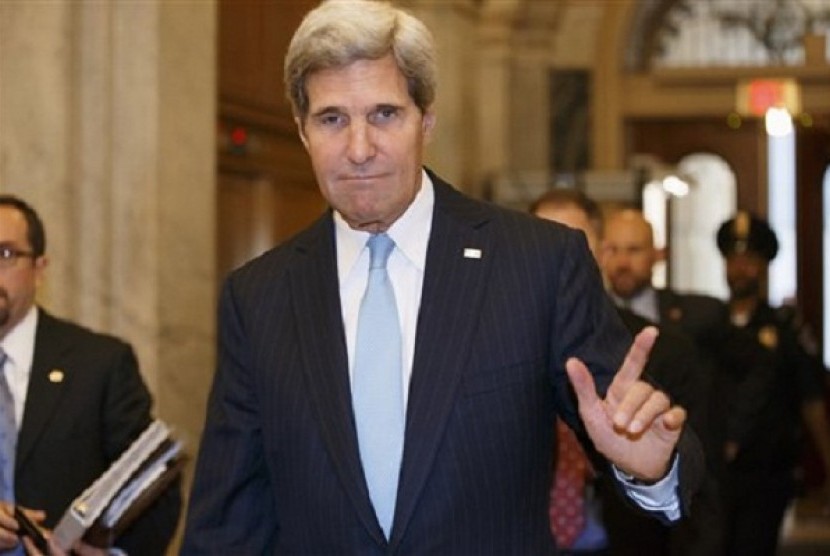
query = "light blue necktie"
x=8 y=435
x=376 y=391
x=8 y=444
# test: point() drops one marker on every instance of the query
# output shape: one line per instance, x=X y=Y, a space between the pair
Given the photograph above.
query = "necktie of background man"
x=8 y=434
x=377 y=392
x=8 y=443
x=567 y=497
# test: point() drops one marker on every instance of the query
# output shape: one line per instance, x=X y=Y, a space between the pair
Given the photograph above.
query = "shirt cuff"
x=658 y=497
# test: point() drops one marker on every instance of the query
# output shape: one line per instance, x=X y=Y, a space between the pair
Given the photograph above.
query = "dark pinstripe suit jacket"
x=279 y=469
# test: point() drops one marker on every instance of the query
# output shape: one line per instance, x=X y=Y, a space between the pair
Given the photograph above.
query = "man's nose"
x=361 y=146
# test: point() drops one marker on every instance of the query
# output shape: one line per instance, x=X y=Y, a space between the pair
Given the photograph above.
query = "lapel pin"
x=56 y=376
x=472 y=253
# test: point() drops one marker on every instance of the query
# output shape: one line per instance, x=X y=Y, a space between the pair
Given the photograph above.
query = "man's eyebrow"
x=325 y=110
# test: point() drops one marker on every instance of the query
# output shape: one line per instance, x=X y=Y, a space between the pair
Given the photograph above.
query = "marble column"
x=453 y=151
x=107 y=126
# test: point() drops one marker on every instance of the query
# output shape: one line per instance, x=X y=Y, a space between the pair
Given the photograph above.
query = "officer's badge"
x=768 y=337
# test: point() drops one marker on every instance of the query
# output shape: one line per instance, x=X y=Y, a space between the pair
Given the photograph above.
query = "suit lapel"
x=47 y=383
x=454 y=283
x=314 y=286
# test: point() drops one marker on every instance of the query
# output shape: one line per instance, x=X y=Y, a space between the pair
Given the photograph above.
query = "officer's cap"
x=746 y=232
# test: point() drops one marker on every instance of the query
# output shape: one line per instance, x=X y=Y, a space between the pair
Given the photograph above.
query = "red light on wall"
x=239 y=136
x=756 y=96
x=764 y=95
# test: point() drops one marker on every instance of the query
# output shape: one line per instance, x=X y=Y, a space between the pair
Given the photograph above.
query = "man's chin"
x=625 y=291
x=744 y=292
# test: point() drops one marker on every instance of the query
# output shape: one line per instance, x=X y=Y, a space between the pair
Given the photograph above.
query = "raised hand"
x=635 y=426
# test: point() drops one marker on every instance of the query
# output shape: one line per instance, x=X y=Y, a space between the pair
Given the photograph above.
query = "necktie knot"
x=380 y=247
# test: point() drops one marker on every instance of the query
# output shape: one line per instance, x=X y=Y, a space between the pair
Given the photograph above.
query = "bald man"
x=628 y=256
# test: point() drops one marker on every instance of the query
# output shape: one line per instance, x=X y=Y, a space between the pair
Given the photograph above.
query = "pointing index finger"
x=637 y=357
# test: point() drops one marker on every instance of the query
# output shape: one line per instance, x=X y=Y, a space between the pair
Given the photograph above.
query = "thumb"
x=582 y=382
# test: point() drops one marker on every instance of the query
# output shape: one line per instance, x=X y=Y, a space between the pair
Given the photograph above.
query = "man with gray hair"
x=387 y=379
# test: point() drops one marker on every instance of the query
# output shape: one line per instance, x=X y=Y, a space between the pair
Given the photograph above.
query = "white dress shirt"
x=19 y=345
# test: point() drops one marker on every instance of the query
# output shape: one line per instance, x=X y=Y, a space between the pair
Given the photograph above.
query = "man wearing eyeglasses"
x=71 y=400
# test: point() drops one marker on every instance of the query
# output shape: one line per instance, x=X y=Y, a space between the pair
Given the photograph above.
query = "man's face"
x=628 y=254
x=744 y=273
x=365 y=137
x=571 y=215
x=19 y=281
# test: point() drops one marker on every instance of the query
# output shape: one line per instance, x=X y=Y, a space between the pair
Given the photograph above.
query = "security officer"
x=761 y=476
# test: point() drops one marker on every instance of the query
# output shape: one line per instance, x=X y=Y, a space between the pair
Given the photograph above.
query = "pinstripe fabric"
x=279 y=470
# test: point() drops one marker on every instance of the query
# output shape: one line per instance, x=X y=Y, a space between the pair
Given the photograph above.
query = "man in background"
x=71 y=400
x=761 y=478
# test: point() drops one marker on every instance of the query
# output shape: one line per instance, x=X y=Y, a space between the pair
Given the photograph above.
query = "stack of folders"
x=125 y=490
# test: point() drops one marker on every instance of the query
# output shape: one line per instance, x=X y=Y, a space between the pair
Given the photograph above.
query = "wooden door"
x=266 y=190
x=743 y=148
x=812 y=164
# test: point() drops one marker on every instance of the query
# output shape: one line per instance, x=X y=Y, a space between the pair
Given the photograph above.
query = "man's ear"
x=301 y=131
x=428 y=123
x=40 y=267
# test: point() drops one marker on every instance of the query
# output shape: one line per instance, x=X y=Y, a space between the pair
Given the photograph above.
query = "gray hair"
x=339 y=32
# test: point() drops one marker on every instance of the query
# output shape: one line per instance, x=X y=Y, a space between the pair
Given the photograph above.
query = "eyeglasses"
x=9 y=256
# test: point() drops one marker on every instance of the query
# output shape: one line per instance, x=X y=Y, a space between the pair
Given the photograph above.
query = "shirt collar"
x=644 y=303
x=410 y=231
x=19 y=343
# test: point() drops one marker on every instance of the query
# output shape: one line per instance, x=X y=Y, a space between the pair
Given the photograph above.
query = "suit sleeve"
x=586 y=326
x=126 y=414
x=230 y=509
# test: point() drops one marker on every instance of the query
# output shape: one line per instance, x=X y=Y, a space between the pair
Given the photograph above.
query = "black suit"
x=675 y=366
x=742 y=374
x=761 y=481
x=739 y=376
x=279 y=469
x=85 y=403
